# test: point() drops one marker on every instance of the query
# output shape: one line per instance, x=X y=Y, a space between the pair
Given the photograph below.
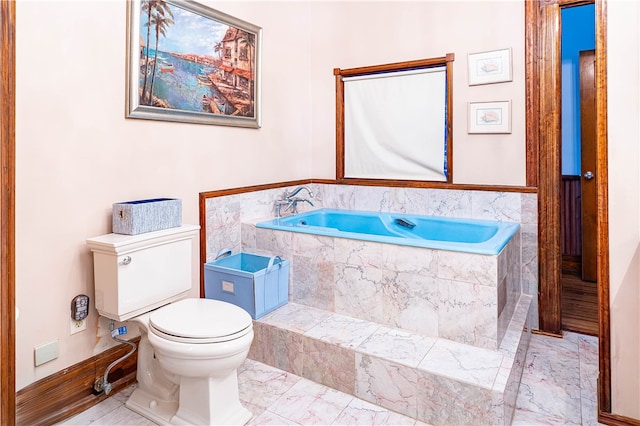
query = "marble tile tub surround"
x=225 y=215
x=464 y=297
x=437 y=381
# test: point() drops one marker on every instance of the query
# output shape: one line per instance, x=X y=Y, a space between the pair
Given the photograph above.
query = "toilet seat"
x=200 y=321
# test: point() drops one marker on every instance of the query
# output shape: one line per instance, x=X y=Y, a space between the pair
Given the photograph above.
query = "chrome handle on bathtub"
x=126 y=260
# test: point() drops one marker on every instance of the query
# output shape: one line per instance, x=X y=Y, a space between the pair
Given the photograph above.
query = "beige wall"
x=77 y=154
x=623 y=46
x=353 y=34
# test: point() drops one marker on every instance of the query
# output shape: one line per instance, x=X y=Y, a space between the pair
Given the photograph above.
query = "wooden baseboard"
x=70 y=391
x=617 y=420
x=546 y=333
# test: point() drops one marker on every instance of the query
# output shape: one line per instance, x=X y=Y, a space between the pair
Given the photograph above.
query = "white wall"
x=77 y=154
x=353 y=34
x=623 y=48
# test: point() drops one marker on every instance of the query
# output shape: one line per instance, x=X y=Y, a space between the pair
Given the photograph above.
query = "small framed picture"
x=489 y=117
x=490 y=67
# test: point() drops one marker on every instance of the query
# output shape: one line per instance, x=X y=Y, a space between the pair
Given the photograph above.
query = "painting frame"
x=489 y=117
x=493 y=66
x=231 y=85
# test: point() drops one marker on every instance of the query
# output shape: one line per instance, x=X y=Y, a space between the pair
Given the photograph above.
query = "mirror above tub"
x=393 y=122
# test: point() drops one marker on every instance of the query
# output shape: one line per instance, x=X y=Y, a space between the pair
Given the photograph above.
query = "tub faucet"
x=290 y=201
x=296 y=191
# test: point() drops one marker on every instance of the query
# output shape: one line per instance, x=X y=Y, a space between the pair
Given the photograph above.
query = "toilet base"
x=158 y=411
x=211 y=400
x=166 y=412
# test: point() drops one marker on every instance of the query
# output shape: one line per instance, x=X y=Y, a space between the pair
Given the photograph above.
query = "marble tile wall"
x=229 y=218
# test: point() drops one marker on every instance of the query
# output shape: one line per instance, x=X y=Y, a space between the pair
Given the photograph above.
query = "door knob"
x=588 y=175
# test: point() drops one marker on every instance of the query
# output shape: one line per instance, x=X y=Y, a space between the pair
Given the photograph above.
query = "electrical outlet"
x=77 y=325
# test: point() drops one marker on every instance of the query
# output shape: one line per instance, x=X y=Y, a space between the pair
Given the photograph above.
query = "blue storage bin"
x=258 y=284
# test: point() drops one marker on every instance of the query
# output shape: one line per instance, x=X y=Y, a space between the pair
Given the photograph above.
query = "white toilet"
x=189 y=348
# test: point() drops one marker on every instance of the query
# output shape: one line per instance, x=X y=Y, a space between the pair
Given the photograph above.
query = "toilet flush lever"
x=126 y=260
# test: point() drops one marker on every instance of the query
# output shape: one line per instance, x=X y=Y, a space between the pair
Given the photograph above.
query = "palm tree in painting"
x=161 y=22
x=152 y=8
x=250 y=42
x=218 y=49
x=146 y=7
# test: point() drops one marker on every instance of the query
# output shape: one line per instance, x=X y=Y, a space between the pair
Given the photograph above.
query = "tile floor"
x=558 y=387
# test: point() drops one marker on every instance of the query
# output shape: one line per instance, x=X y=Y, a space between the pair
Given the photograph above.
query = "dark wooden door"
x=588 y=150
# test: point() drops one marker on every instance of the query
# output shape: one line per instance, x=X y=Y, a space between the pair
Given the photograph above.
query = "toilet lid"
x=200 y=321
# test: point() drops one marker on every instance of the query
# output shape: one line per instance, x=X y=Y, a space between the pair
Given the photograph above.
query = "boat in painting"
x=203 y=79
x=166 y=67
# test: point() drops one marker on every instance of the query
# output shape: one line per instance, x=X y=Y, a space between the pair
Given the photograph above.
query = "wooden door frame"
x=7 y=213
x=543 y=105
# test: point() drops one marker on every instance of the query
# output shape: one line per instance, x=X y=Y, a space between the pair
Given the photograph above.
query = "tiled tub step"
x=437 y=381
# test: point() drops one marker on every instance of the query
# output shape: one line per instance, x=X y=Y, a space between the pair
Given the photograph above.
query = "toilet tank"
x=135 y=274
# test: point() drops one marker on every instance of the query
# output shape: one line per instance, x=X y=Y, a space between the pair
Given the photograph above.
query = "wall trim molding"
x=70 y=391
x=616 y=419
x=7 y=212
x=366 y=182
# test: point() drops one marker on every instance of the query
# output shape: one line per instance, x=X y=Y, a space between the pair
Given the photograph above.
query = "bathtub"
x=441 y=233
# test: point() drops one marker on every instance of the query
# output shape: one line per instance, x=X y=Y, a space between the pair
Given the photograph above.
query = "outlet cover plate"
x=46 y=352
x=75 y=326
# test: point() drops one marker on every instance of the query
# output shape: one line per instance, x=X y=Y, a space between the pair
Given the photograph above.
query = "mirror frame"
x=446 y=61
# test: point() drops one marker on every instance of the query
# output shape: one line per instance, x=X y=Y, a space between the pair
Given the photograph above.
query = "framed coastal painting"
x=489 y=117
x=490 y=67
x=189 y=63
